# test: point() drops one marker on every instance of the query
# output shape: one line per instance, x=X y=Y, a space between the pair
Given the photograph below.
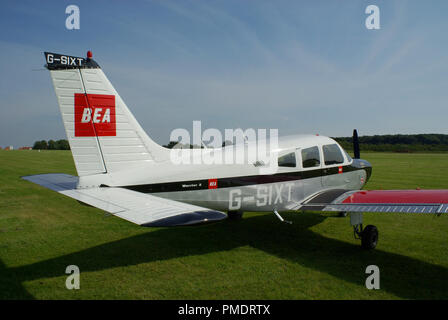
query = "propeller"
x=355 y=145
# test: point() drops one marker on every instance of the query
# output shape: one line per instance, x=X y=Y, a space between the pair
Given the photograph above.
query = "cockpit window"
x=287 y=160
x=349 y=159
x=332 y=154
x=310 y=157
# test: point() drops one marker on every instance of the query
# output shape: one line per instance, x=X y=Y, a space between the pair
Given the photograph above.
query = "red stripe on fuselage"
x=399 y=196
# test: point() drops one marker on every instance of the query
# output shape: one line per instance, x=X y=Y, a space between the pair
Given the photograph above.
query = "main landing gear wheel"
x=342 y=214
x=234 y=215
x=369 y=237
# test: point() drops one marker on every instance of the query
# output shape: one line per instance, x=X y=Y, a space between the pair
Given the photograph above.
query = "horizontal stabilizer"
x=136 y=207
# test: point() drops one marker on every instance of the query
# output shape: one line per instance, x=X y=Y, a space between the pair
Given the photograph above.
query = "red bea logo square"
x=340 y=170
x=212 y=183
x=95 y=115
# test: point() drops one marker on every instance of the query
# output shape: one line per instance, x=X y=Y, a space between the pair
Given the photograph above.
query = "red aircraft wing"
x=405 y=201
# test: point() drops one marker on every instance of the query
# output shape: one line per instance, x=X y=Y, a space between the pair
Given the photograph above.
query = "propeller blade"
x=356 y=145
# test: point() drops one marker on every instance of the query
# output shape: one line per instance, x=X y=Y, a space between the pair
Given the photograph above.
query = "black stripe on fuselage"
x=238 y=181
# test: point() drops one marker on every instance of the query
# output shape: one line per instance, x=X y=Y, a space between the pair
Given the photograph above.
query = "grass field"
x=42 y=232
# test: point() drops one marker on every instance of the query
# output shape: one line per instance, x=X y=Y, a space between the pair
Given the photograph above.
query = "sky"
x=296 y=66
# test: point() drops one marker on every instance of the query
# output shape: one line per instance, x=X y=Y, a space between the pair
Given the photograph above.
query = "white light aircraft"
x=121 y=170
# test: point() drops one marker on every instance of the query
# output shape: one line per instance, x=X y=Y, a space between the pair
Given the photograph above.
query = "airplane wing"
x=140 y=208
x=404 y=201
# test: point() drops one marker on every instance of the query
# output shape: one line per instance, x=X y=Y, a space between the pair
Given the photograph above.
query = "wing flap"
x=402 y=201
x=133 y=206
x=400 y=208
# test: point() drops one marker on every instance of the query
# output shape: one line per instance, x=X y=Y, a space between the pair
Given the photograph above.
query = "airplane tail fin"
x=103 y=134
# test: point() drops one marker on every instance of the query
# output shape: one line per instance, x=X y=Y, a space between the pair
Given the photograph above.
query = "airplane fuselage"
x=244 y=187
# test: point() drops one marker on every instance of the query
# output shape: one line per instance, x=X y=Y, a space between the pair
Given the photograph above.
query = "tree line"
x=51 y=145
x=384 y=143
x=398 y=142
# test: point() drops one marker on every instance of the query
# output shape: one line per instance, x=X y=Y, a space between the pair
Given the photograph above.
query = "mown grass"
x=42 y=232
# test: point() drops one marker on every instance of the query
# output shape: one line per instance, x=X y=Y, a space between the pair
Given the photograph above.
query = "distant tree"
x=171 y=144
x=179 y=145
x=63 y=144
x=40 y=145
x=52 y=145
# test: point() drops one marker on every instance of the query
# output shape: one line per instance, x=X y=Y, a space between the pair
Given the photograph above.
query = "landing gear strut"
x=368 y=235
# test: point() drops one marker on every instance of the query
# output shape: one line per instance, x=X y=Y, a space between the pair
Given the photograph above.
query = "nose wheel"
x=367 y=235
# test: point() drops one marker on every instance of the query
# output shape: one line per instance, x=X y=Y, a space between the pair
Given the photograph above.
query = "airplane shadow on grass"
x=400 y=275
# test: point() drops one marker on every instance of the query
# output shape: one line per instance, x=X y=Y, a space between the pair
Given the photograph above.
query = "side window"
x=287 y=160
x=310 y=157
x=332 y=154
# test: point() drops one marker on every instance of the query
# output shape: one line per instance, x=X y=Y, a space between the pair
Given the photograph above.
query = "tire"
x=342 y=214
x=369 y=237
x=234 y=215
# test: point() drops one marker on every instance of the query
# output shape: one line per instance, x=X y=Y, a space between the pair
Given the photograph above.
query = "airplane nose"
x=368 y=169
x=364 y=164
